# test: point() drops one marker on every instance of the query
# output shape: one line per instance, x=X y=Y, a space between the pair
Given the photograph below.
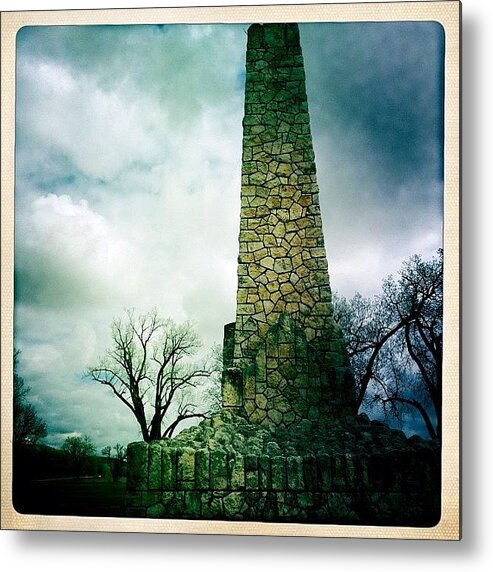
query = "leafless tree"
x=394 y=341
x=28 y=427
x=78 y=449
x=213 y=391
x=117 y=461
x=146 y=368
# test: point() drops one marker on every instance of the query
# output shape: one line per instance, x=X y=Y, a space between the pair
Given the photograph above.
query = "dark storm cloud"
x=375 y=98
x=384 y=82
x=167 y=63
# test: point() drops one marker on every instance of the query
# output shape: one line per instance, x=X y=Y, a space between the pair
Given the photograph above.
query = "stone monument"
x=288 y=445
x=284 y=355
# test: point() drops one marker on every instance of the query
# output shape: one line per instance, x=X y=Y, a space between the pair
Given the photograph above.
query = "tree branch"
x=421 y=410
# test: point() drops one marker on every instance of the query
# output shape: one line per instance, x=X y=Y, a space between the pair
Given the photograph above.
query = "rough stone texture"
x=350 y=471
x=284 y=356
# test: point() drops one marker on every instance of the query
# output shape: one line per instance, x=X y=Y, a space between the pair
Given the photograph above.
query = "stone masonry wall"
x=327 y=488
x=285 y=354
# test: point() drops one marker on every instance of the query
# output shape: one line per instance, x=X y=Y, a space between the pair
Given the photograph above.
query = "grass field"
x=71 y=497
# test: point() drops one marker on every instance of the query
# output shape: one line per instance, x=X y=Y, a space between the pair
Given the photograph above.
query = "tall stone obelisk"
x=284 y=356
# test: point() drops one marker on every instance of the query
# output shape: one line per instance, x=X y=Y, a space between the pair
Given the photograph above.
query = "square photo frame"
x=230 y=270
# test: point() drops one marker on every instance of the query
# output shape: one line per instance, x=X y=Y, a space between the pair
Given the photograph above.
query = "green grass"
x=71 y=497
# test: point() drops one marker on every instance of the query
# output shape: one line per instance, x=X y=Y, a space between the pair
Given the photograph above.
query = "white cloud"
x=69 y=255
x=99 y=130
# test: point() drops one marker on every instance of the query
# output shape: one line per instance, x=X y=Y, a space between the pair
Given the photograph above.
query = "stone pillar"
x=286 y=357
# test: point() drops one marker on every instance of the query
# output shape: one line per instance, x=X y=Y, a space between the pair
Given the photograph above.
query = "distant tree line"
x=77 y=456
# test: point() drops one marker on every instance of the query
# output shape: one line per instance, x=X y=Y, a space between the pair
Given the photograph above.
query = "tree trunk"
x=155 y=428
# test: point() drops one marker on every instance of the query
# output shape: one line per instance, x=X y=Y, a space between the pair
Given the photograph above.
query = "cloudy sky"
x=128 y=158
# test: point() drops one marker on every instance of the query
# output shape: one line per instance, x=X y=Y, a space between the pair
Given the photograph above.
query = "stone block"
x=289 y=371
x=173 y=503
x=260 y=254
x=310 y=473
x=324 y=472
x=305 y=500
x=253 y=247
x=254 y=129
x=251 y=472
x=219 y=470
x=202 y=465
x=265 y=476
x=155 y=467
x=186 y=468
x=236 y=472
x=289 y=418
x=278 y=232
x=234 y=505
x=267 y=262
x=286 y=350
x=249 y=406
x=275 y=417
x=192 y=504
x=295 y=473
x=137 y=459
x=168 y=469
x=258 y=416
x=279 y=477
x=155 y=510
x=296 y=211
x=273 y=202
x=313 y=396
x=351 y=471
x=150 y=497
x=246 y=282
x=245 y=309
x=211 y=506
x=255 y=39
x=249 y=381
x=261 y=401
x=338 y=472
x=232 y=387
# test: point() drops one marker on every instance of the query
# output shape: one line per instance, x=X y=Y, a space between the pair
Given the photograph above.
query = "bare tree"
x=213 y=390
x=117 y=461
x=78 y=449
x=147 y=370
x=106 y=451
x=395 y=341
x=28 y=427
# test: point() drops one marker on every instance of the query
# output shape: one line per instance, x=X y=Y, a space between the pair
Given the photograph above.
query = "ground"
x=71 y=497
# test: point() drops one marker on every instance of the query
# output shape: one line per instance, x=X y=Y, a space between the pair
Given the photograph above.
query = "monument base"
x=349 y=471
